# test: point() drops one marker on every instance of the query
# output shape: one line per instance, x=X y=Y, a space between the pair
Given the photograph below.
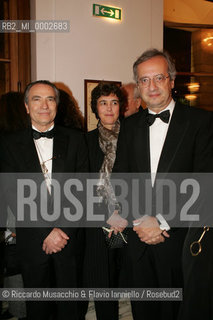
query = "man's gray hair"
x=46 y=82
x=133 y=87
x=151 y=53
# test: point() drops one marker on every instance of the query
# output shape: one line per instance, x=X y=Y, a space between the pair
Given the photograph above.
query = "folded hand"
x=148 y=230
x=55 y=241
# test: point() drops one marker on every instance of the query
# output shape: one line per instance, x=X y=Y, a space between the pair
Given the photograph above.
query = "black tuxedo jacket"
x=19 y=155
x=187 y=148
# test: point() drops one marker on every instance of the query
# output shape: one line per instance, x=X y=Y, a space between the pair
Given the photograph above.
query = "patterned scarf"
x=108 y=144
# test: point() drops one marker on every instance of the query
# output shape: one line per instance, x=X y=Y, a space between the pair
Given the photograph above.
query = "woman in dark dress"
x=102 y=265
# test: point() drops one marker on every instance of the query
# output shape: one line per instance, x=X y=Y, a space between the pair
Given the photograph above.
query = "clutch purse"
x=116 y=241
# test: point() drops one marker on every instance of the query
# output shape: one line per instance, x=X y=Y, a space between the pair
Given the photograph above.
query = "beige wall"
x=188 y=11
x=95 y=48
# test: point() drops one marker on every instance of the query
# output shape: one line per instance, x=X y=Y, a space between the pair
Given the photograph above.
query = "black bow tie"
x=164 y=116
x=47 y=134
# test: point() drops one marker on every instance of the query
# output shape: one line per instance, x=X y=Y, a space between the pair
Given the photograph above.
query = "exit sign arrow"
x=107 y=12
x=111 y=13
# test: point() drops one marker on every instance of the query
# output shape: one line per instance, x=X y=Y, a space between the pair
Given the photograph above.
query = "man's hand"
x=148 y=230
x=55 y=241
x=117 y=223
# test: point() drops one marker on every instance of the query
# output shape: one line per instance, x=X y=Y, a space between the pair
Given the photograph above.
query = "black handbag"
x=116 y=241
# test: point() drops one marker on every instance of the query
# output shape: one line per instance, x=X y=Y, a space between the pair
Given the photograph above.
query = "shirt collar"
x=45 y=130
x=170 y=107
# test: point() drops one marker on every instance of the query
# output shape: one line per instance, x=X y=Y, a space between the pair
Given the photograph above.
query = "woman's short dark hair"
x=105 y=89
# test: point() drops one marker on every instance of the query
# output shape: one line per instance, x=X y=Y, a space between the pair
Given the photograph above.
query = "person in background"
x=2 y=250
x=13 y=117
x=102 y=265
x=68 y=113
x=12 y=275
x=133 y=98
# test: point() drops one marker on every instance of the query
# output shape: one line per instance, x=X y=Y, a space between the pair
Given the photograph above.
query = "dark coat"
x=187 y=148
x=19 y=155
x=100 y=262
x=39 y=270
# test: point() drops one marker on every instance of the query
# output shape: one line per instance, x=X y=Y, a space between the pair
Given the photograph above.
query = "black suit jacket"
x=187 y=148
x=19 y=155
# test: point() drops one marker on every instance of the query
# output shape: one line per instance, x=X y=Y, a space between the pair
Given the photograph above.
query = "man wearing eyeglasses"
x=49 y=253
x=167 y=137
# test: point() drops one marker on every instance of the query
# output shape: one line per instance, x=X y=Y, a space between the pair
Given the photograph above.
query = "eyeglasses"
x=159 y=79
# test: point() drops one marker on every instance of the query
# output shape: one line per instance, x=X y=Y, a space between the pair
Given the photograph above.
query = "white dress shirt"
x=44 y=147
x=157 y=135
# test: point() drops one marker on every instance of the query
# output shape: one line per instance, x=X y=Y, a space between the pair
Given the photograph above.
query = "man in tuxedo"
x=167 y=137
x=49 y=255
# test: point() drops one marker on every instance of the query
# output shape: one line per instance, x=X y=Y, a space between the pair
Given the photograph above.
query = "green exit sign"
x=107 y=12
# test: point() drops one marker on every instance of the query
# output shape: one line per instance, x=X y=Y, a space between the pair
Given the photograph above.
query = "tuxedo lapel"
x=60 y=144
x=174 y=137
x=27 y=149
x=31 y=160
x=141 y=145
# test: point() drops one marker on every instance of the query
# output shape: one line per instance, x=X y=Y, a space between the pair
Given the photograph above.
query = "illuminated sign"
x=107 y=12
